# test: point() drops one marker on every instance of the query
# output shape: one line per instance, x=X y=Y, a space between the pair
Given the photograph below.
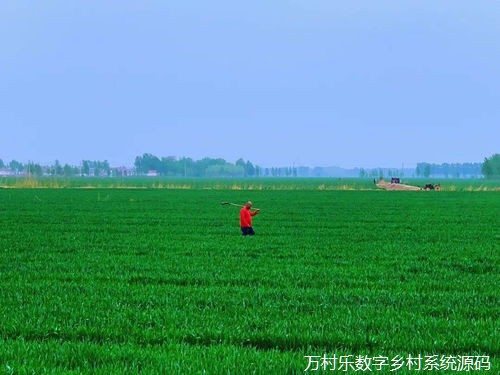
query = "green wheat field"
x=155 y=277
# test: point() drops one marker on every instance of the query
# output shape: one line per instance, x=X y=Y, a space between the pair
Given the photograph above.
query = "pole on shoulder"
x=236 y=205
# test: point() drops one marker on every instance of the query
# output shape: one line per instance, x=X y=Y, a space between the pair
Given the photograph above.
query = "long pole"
x=236 y=205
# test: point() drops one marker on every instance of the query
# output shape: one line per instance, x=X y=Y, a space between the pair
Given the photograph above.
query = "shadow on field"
x=279 y=343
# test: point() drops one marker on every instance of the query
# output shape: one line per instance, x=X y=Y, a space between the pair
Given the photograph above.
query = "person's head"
x=248 y=205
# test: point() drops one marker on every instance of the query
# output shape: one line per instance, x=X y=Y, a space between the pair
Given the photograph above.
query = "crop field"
x=159 y=280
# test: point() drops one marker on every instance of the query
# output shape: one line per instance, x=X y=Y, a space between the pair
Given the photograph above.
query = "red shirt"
x=246 y=217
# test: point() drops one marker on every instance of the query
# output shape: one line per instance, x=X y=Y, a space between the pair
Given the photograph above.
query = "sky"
x=287 y=82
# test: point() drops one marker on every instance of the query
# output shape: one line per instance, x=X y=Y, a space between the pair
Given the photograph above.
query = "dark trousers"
x=247 y=231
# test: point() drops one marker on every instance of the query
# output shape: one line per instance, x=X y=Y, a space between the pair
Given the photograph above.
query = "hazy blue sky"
x=311 y=82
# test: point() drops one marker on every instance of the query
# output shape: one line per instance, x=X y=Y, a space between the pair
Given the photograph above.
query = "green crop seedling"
x=160 y=280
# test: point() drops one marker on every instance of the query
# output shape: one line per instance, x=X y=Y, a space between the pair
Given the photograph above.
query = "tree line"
x=446 y=170
x=146 y=164
x=87 y=168
x=149 y=164
x=187 y=167
x=491 y=166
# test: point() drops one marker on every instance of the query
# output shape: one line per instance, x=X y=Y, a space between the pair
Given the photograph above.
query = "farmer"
x=246 y=219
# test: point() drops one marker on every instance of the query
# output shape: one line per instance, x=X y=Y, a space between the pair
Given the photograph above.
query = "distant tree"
x=95 y=168
x=85 y=167
x=68 y=170
x=57 y=169
x=226 y=170
x=16 y=166
x=455 y=170
x=34 y=169
x=362 y=173
x=187 y=166
x=446 y=169
x=249 y=169
x=2 y=165
x=491 y=166
x=101 y=168
x=170 y=166
x=147 y=162
x=240 y=163
x=423 y=169
x=427 y=170
x=206 y=167
x=201 y=166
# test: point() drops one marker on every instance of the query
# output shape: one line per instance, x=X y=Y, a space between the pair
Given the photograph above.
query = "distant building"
x=6 y=172
x=121 y=172
x=152 y=173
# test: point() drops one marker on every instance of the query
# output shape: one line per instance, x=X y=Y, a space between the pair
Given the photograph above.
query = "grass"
x=160 y=281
